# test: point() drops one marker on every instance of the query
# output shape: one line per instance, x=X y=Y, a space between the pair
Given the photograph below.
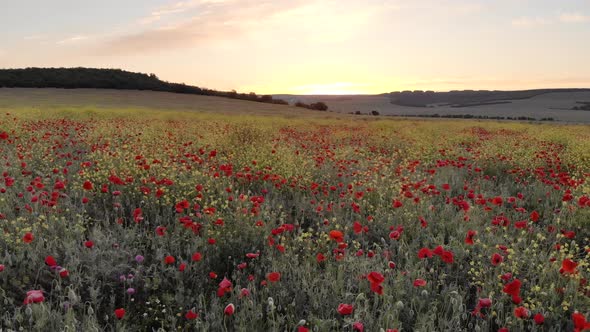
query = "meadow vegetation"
x=139 y=220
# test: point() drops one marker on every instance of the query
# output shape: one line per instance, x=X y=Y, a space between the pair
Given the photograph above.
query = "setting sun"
x=341 y=88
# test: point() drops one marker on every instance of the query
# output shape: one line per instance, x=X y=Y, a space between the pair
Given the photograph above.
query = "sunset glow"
x=310 y=46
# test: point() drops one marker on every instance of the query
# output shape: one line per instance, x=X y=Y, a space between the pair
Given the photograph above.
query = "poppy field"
x=138 y=220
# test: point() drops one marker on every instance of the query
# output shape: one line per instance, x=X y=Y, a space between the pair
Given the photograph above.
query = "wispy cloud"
x=72 y=40
x=574 y=18
x=190 y=23
x=169 y=10
x=530 y=22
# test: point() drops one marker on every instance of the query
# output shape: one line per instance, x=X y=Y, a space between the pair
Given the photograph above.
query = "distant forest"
x=89 y=78
x=466 y=97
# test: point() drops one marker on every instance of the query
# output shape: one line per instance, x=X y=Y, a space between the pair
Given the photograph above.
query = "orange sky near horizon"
x=311 y=46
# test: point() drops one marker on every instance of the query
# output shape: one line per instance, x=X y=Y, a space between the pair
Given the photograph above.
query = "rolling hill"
x=560 y=105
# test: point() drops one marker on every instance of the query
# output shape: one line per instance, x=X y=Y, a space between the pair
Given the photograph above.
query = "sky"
x=310 y=46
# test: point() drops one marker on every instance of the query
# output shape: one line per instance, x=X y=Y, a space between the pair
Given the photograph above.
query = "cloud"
x=181 y=7
x=72 y=40
x=190 y=23
x=574 y=18
x=530 y=22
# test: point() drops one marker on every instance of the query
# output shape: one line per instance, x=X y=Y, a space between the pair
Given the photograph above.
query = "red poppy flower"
x=273 y=276
x=397 y=204
x=50 y=261
x=438 y=251
x=120 y=313
x=447 y=257
x=169 y=260
x=423 y=222
x=252 y=255
x=89 y=244
x=28 y=237
x=357 y=227
x=375 y=277
x=34 y=296
x=512 y=288
x=469 y=237
x=424 y=253
x=539 y=319
x=419 y=283
x=87 y=185
x=225 y=286
x=521 y=312
x=568 y=266
x=191 y=315
x=137 y=215
x=345 y=309
x=59 y=185
x=395 y=235
x=497 y=259
x=377 y=288
x=534 y=216
x=358 y=326
x=8 y=181
x=64 y=273
x=580 y=322
x=160 y=230
x=497 y=200
x=197 y=257
x=516 y=299
x=484 y=303
x=337 y=236
x=320 y=257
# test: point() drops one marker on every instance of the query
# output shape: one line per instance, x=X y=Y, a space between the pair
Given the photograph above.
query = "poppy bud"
x=120 y=313
x=229 y=309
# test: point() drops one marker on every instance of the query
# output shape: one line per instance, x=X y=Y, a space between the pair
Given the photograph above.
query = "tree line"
x=91 y=78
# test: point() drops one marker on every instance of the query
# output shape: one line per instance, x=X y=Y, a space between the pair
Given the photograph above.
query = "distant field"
x=554 y=105
x=129 y=99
